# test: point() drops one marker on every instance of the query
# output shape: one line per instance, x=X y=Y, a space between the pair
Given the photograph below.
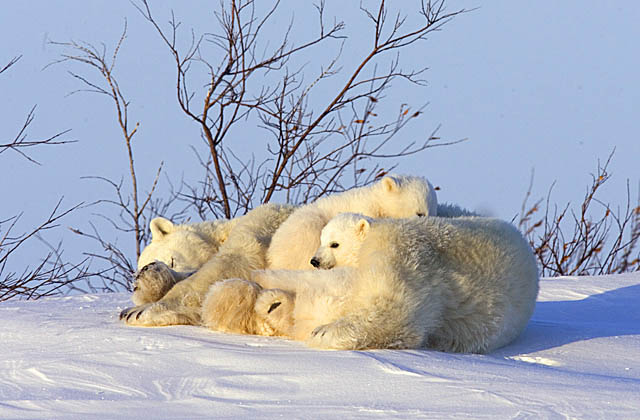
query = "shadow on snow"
x=608 y=314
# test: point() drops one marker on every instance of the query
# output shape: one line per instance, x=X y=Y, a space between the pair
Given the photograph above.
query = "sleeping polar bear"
x=269 y=236
x=465 y=284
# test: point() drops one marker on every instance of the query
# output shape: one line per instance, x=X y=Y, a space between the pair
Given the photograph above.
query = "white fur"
x=296 y=241
x=251 y=242
x=175 y=251
x=184 y=247
x=243 y=251
x=341 y=241
x=462 y=285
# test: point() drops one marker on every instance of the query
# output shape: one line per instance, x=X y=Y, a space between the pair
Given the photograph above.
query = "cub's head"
x=403 y=196
x=340 y=241
x=183 y=248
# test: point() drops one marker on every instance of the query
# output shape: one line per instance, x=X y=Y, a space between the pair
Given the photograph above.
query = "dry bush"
x=51 y=275
x=593 y=239
x=323 y=135
x=324 y=132
x=134 y=209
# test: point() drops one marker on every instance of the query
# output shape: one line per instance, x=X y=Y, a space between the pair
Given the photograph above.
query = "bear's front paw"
x=274 y=312
x=152 y=282
x=338 y=335
x=131 y=316
x=159 y=314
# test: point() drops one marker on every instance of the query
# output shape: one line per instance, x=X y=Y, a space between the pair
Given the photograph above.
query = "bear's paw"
x=152 y=282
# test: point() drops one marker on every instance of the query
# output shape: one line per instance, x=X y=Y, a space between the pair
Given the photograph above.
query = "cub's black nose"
x=315 y=262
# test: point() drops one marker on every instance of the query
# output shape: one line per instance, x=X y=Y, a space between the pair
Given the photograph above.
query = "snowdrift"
x=71 y=358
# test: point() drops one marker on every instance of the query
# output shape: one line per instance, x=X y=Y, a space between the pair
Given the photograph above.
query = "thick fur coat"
x=183 y=249
x=270 y=236
x=465 y=284
x=398 y=196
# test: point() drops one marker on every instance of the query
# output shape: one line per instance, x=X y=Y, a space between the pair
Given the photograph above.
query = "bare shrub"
x=134 y=209
x=51 y=275
x=20 y=143
x=313 y=146
x=592 y=239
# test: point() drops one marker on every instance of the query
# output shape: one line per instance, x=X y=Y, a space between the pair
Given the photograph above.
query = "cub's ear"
x=389 y=183
x=160 y=227
x=362 y=227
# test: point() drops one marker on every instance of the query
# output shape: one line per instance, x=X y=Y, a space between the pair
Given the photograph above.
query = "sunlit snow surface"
x=72 y=358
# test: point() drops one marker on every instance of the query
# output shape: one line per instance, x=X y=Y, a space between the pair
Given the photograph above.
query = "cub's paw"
x=274 y=312
x=338 y=335
x=152 y=282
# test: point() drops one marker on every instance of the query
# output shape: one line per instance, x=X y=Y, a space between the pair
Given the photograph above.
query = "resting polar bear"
x=249 y=245
x=182 y=248
x=463 y=285
x=395 y=197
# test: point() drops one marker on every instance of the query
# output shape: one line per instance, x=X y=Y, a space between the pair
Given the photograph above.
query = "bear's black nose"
x=315 y=262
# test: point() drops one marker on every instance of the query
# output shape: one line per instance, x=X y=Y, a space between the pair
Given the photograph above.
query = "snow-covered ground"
x=71 y=358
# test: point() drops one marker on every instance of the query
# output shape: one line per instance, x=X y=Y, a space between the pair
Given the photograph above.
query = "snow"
x=72 y=358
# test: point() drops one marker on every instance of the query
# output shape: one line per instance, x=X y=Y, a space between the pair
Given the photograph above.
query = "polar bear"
x=397 y=196
x=182 y=248
x=257 y=236
x=465 y=284
x=243 y=250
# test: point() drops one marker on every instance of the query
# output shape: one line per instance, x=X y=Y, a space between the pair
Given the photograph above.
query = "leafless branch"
x=570 y=241
x=20 y=142
x=50 y=276
x=132 y=205
x=311 y=148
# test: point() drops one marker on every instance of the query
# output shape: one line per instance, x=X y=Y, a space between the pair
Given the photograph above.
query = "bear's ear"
x=389 y=183
x=362 y=227
x=160 y=227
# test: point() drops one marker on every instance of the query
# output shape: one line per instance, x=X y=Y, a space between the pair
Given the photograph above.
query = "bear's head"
x=183 y=248
x=403 y=196
x=340 y=241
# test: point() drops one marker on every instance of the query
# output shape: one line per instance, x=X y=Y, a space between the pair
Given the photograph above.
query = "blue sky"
x=544 y=86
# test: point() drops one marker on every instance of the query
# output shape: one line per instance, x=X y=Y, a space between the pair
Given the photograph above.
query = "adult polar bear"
x=249 y=244
x=183 y=248
x=464 y=285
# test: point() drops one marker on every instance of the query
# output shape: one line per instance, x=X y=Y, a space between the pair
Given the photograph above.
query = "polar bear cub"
x=396 y=196
x=287 y=303
x=466 y=284
x=175 y=251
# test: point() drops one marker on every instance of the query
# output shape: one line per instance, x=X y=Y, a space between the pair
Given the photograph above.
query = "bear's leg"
x=161 y=313
x=229 y=305
x=183 y=302
x=338 y=335
x=381 y=325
